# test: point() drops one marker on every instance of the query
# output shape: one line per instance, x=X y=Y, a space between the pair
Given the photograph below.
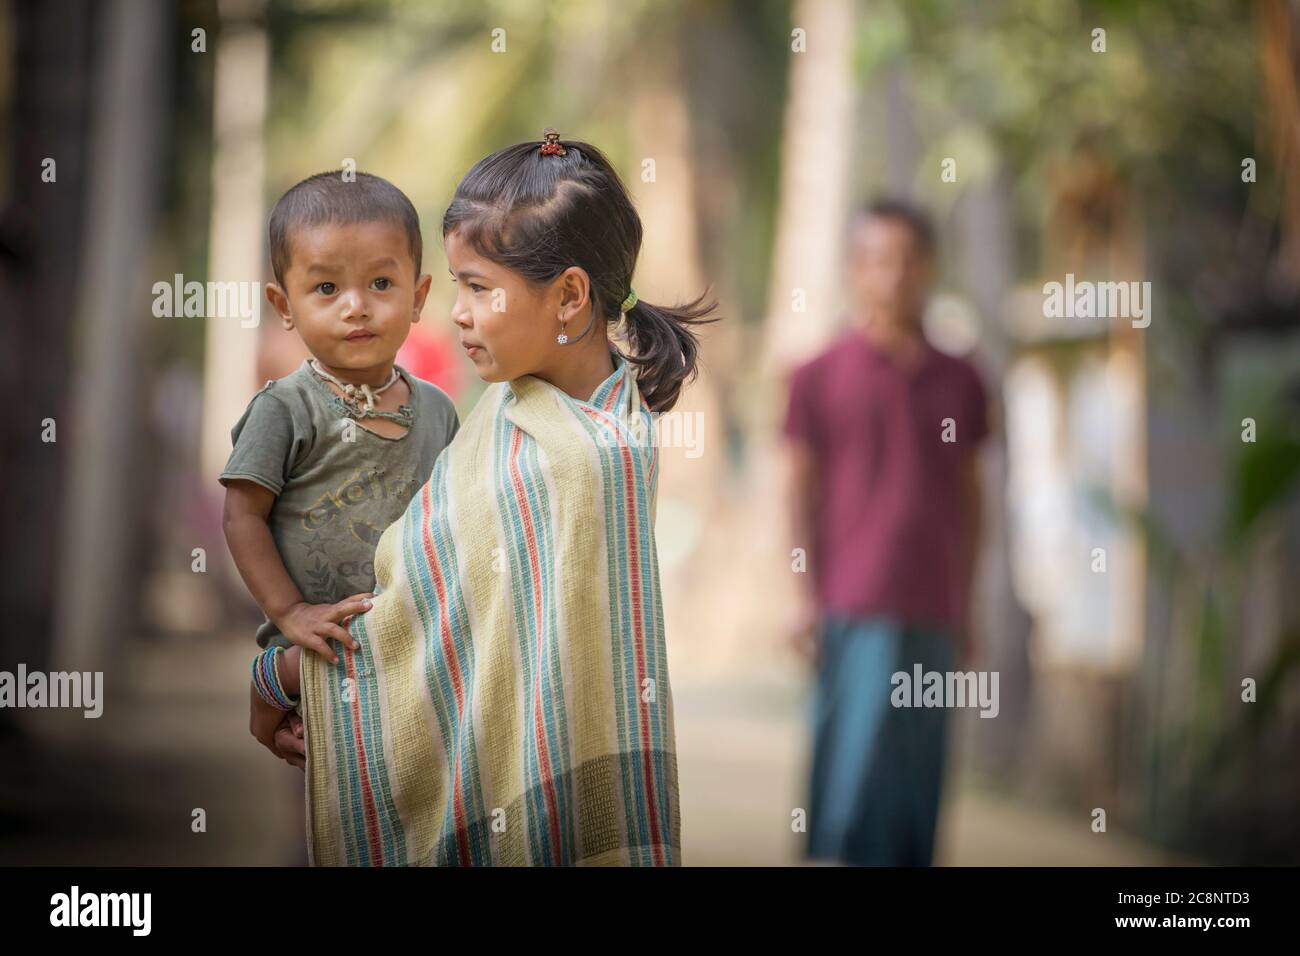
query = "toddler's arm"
x=287 y=668
x=249 y=538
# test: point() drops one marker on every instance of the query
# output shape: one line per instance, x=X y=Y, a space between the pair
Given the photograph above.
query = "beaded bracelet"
x=266 y=680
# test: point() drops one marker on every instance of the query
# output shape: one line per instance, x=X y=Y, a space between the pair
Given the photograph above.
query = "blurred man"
x=885 y=499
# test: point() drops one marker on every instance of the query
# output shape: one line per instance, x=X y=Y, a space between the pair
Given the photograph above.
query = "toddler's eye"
x=477 y=288
x=381 y=284
x=326 y=288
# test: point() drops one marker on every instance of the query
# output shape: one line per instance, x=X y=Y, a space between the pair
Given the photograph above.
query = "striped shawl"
x=510 y=702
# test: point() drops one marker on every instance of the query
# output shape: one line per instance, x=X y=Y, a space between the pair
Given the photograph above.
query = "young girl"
x=509 y=701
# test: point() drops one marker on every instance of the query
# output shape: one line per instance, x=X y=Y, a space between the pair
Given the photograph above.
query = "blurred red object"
x=429 y=356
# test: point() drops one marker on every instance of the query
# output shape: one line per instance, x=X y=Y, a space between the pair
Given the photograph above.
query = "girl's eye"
x=326 y=288
x=381 y=284
x=473 y=286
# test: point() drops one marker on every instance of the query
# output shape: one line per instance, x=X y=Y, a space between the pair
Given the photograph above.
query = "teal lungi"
x=877 y=770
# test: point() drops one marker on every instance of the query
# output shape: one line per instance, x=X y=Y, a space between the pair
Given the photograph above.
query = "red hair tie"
x=552 y=145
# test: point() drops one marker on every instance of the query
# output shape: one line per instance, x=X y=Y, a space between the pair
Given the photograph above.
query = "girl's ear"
x=280 y=302
x=575 y=291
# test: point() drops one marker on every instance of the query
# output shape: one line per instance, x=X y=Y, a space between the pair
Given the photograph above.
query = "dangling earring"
x=562 y=338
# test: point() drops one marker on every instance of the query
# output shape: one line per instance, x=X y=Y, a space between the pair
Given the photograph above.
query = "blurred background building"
x=142 y=140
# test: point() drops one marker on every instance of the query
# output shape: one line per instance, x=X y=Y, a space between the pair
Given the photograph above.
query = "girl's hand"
x=289 y=740
x=263 y=720
x=311 y=625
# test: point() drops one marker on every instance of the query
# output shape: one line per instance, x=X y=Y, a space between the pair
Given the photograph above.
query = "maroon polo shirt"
x=887 y=521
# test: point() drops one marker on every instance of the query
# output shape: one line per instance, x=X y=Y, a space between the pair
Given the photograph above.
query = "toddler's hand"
x=311 y=625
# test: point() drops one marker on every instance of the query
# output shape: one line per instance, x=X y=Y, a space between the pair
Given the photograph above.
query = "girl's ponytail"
x=664 y=347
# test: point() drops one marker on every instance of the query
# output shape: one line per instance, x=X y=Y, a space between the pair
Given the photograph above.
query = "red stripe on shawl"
x=530 y=539
x=613 y=394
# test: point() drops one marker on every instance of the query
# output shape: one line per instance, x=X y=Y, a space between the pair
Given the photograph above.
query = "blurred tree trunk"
x=669 y=272
x=39 y=226
x=1276 y=38
x=985 y=249
x=804 y=295
x=97 y=595
x=803 y=302
x=237 y=226
x=901 y=146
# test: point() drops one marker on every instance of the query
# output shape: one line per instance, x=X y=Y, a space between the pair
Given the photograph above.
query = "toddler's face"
x=352 y=293
x=507 y=326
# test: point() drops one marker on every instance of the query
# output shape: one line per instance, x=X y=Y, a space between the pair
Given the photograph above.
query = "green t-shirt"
x=334 y=496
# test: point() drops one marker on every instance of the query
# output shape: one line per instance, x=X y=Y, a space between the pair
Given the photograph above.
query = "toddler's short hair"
x=327 y=198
